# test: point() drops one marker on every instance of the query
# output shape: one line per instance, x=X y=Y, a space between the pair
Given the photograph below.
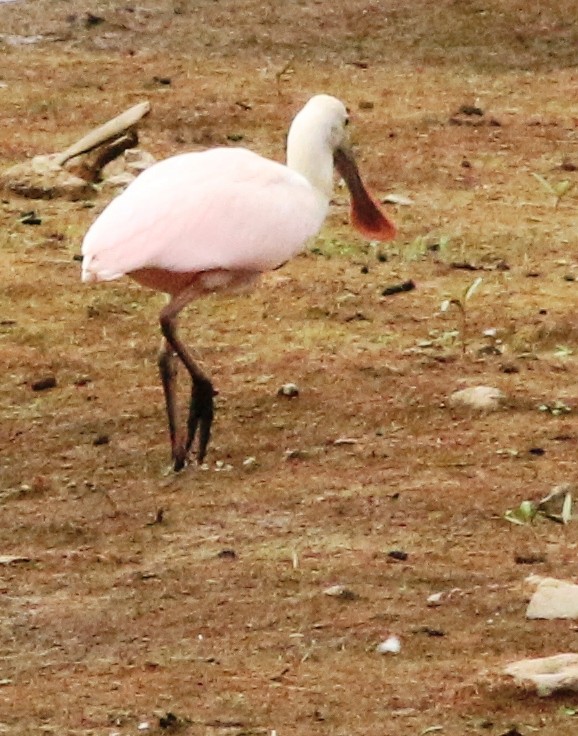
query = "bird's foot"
x=179 y=458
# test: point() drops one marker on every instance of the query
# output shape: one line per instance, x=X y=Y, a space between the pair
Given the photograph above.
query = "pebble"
x=227 y=554
x=291 y=390
x=44 y=383
x=398 y=554
x=485 y=398
x=435 y=599
x=340 y=591
x=391 y=645
x=397 y=199
x=13 y=559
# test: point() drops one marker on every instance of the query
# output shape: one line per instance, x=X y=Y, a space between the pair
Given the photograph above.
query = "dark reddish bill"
x=366 y=216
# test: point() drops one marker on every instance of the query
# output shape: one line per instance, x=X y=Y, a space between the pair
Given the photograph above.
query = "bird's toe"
x=179 y=459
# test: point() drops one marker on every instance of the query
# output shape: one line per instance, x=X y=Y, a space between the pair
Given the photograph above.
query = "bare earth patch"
x=196 y=603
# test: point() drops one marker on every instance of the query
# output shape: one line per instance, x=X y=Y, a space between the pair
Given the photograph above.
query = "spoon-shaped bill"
x=366 y=216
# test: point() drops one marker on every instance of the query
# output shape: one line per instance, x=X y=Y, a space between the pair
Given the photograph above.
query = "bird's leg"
x=168 y=370
x=201 y=405
x=201 y=412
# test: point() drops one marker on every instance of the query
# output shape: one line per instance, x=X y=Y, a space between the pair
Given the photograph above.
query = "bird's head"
x=321 y=125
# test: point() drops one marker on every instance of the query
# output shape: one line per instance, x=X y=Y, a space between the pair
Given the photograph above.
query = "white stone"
x=340 y=591
x=12 y=559
x=548 y=674
x=43 y=178
x=552 y=598
x=434 y=599
x=397 y=199
x=288 y=389
x=486 y=398
x=391 y=645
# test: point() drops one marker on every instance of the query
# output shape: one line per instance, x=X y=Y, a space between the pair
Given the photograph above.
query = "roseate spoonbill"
x=212 y=221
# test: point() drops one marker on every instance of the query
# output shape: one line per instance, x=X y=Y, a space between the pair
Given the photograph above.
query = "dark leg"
x=168 y=370
x=201 y=414
x=201 y=405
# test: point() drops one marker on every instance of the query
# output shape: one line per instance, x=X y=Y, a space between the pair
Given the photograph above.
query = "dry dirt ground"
x=194 y=603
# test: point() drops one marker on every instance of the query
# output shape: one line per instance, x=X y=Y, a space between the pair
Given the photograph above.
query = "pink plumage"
x=226 y=209
x=211 y=221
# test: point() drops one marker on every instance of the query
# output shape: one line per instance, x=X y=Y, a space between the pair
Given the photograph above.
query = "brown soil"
x=201 y=595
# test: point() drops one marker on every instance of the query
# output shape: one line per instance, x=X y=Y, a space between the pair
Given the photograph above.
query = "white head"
x=316 y=132
x=317 y=140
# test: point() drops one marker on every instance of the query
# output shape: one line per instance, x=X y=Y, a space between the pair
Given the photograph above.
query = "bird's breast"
x=204 y=282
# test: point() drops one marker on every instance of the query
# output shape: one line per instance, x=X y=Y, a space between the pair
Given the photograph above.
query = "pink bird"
x=215 y=220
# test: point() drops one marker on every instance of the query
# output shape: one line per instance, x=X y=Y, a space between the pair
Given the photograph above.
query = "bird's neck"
x=309 y=154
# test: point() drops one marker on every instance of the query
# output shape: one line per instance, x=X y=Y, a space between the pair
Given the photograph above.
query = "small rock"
x=483 y=398
x=169 y=720
x=227 y=554
x=12 y=559
x=391 y=645
x=435 y=599
x=222 y=466
x=249 y=463
x=340 y=441
x=529 y=558
x=493 y=349
x=17 y=40
x=101 y=439
x=399 y=199
x=43 y=178
x=290 y=390
x=398 y=288
x=398 y=554
x=471 y=110
x=552 y=598
x=340 y=591
x=548 y=674
x=44 y=383
x=82 y=381
x=296 y=454
x=92 y=20
x=509 y=368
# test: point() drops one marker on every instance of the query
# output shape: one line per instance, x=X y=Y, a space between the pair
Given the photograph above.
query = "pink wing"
x=219 y=209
